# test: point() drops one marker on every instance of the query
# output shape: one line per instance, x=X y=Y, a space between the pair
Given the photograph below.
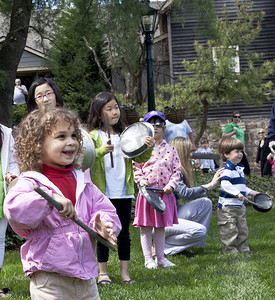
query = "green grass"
x=208 y=274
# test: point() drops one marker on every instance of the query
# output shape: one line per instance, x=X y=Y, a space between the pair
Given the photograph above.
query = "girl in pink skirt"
x=161 y=171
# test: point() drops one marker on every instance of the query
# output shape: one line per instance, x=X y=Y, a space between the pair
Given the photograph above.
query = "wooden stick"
x=58 y=206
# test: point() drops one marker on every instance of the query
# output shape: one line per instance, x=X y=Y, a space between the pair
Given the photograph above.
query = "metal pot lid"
x=87 y=158
x=133 y=137
x=264 y=201
x=154 y=199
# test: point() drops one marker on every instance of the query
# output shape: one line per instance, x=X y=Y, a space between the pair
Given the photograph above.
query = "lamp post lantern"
x=148 y=28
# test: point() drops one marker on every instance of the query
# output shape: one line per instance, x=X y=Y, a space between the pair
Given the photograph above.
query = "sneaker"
x=165 y=263
x=188 y=251
x=247 y=251
x=151 y=264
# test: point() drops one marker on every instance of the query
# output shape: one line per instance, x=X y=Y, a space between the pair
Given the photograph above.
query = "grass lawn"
x=208 y=274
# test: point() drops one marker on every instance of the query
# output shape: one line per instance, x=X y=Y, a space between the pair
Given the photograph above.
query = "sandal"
x=130 y=281
x=104 y=281
x=4 y=293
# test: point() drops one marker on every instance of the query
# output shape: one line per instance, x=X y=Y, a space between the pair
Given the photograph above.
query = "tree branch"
x=101 y=71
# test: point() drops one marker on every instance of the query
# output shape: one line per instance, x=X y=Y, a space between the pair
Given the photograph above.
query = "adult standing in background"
x=271 y=128
x=262 y=153
x=20 y=93
x=232 y=130
x=182 y=129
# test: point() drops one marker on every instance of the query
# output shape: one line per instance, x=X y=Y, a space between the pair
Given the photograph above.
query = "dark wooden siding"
x=182 y=40
x=31 y=60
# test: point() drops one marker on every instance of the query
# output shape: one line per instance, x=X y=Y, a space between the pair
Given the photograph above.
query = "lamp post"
x=148 y=28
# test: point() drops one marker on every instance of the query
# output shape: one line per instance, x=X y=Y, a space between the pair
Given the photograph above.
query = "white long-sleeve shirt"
x=206 y=163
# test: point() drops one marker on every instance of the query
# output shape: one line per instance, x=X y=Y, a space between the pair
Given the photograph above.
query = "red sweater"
x=63 y=178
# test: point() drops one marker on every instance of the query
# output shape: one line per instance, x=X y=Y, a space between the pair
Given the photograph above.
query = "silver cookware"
x=87 y=158
x=153 y=198
x=133 y=137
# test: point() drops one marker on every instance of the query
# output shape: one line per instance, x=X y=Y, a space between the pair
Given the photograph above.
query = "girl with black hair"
x=43 y=91
x=116 y=183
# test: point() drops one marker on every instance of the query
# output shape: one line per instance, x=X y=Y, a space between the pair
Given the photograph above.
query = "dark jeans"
x=245 y=163
x=266 y=168
x=123 y=208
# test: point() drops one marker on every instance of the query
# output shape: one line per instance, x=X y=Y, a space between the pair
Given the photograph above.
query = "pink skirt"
x=146 y=215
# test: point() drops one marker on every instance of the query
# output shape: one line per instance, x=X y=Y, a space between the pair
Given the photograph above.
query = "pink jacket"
x=53 y=244
x=161 y=169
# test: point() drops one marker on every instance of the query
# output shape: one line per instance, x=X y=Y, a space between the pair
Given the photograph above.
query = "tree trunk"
x=10 y=54
x=203 y=122
x=133 y=88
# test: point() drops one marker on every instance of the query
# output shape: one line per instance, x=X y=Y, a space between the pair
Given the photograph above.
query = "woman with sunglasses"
x=262 y=153
x=233 y=130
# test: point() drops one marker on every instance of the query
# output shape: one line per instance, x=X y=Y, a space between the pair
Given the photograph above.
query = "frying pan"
x=262 y=202
x=153 y=198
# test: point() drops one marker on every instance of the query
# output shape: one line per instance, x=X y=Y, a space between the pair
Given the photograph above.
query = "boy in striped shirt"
x=231 y=209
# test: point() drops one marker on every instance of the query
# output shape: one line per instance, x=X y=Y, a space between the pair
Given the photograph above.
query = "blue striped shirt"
x=233 y=183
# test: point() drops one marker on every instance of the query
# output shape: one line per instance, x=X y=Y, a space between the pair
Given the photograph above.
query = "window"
x=235 y=59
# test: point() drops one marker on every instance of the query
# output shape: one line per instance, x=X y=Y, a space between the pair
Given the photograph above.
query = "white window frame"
x=235 y=59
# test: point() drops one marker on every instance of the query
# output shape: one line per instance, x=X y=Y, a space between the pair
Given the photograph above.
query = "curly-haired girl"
x=58 y=255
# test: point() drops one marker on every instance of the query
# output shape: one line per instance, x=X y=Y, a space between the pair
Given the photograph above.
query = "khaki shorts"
x=52 y=286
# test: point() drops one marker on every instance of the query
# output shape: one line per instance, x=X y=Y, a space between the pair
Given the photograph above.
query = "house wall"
x=29 y=60
x=176 y=43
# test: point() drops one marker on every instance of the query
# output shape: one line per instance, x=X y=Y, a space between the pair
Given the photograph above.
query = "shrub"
x=13 y=241
x=19 y=112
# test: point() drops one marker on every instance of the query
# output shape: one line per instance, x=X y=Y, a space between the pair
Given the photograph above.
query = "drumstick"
x=109 y=135
x=58 y=206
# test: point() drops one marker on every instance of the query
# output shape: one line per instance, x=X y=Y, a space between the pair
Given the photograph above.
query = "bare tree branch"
x=101 y=71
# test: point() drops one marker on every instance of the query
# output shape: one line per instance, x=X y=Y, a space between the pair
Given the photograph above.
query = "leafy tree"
x=18 y=13
x=11 y=50
x=212 y=81
x=124 y=43
x=92 y=38
x=72 y=63
x=204 y=12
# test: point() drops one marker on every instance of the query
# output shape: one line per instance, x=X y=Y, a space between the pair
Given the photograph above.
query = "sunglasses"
x=158 y=125
x=237 y=117
x=261 y=132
